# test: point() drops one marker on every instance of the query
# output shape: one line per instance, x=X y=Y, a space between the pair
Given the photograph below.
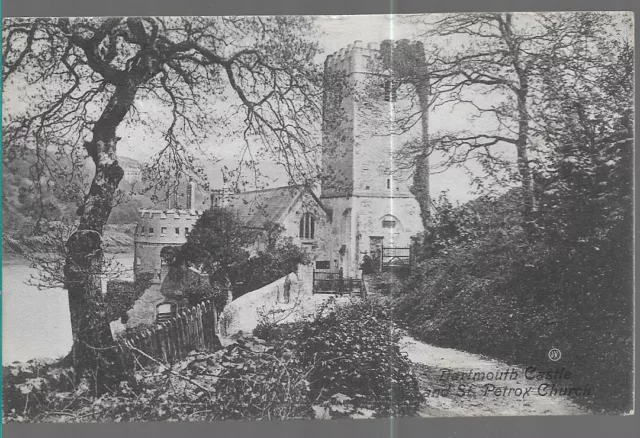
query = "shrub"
x=356 y=367
x=357 y=354
x=266 y=267
x=219 y=243
x=260 y=381
x=121 y=296
x=34 y=387
x=344 y=362
x=504 y=296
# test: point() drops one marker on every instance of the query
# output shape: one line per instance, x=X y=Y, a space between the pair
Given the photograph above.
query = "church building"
x=364 y=202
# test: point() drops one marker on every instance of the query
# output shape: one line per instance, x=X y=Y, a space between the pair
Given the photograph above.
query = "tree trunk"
x=421 y=175
x=528 y=196
x=95 y=355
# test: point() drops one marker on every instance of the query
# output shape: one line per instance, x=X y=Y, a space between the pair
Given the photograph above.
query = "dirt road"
x=459 y=384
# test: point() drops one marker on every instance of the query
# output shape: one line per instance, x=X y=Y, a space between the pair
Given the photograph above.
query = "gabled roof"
x=256 y=208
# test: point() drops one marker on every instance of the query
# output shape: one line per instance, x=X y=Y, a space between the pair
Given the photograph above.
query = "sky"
x=340 y=31
x=336 y=32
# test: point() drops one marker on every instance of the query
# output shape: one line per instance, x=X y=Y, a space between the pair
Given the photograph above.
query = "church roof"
x=268 y=205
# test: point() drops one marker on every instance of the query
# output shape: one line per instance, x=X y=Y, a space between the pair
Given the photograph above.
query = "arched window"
x=388 y=223
x=307 y=226
x=391 y=222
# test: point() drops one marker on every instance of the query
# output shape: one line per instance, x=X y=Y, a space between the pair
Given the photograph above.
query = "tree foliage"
x=410 y=72
x=495 y=291
x=237 y=258
x=218 y=242
x=586 y=191
x=87 y=81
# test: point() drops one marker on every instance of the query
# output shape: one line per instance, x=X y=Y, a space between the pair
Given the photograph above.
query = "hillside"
x=117 y=239
x=61 y=193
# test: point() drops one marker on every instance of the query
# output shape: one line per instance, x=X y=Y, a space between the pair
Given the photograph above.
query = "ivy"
x=121 y=296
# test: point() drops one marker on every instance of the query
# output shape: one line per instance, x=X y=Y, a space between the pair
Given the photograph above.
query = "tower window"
x=307 y=226
x=136 y=231
x=387 y=223
x=388 y=183
x=163 y=231
x=186 y=231
x=144 y=229
x=390 y=91
x=150 y=231
x=177 y=231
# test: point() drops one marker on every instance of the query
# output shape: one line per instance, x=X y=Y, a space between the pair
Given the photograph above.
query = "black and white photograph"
x=318 y=217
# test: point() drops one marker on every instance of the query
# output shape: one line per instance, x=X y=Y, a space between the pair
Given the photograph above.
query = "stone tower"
x=369 y=197
x=157 y=229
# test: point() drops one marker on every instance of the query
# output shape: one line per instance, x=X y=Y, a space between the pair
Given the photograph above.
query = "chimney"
x=191 y=195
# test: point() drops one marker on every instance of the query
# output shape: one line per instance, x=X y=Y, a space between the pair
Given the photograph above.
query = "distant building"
x=132 y=169
x=132 y=174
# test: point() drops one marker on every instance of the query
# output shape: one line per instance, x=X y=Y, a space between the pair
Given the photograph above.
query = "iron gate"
x=395 y=258
x=327 y=282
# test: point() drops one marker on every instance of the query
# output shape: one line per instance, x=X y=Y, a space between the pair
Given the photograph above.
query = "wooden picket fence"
x=172 y=340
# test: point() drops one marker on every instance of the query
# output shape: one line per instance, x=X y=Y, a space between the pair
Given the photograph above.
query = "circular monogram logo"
x=555 y=354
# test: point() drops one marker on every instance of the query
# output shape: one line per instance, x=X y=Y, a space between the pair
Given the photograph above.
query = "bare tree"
x=505 y=59
x=91 y=76
x=493 y=65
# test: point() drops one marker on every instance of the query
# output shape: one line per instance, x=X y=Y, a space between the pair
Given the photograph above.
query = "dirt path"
x=453 y=386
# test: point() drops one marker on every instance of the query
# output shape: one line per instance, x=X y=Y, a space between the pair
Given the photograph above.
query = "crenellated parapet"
x=171 y=213
x=169 y=226
x=157 y=229
x=355 y=58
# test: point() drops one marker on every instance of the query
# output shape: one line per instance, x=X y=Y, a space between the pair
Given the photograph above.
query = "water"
x=35 y=323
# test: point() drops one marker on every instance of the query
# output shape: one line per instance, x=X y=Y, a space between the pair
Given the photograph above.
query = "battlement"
x=352 y=59
x=170 y=214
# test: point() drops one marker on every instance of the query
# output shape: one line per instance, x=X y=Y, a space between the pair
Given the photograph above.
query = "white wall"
x=243 y=313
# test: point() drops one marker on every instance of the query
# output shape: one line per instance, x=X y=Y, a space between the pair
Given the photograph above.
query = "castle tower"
x=369 y=196
x=158 y=229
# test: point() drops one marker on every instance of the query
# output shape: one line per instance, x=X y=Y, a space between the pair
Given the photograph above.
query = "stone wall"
x=169 y=229
x=144 y=309
x=358 y=148
x=359 y=218
x=372 y=211
x=243 y=314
